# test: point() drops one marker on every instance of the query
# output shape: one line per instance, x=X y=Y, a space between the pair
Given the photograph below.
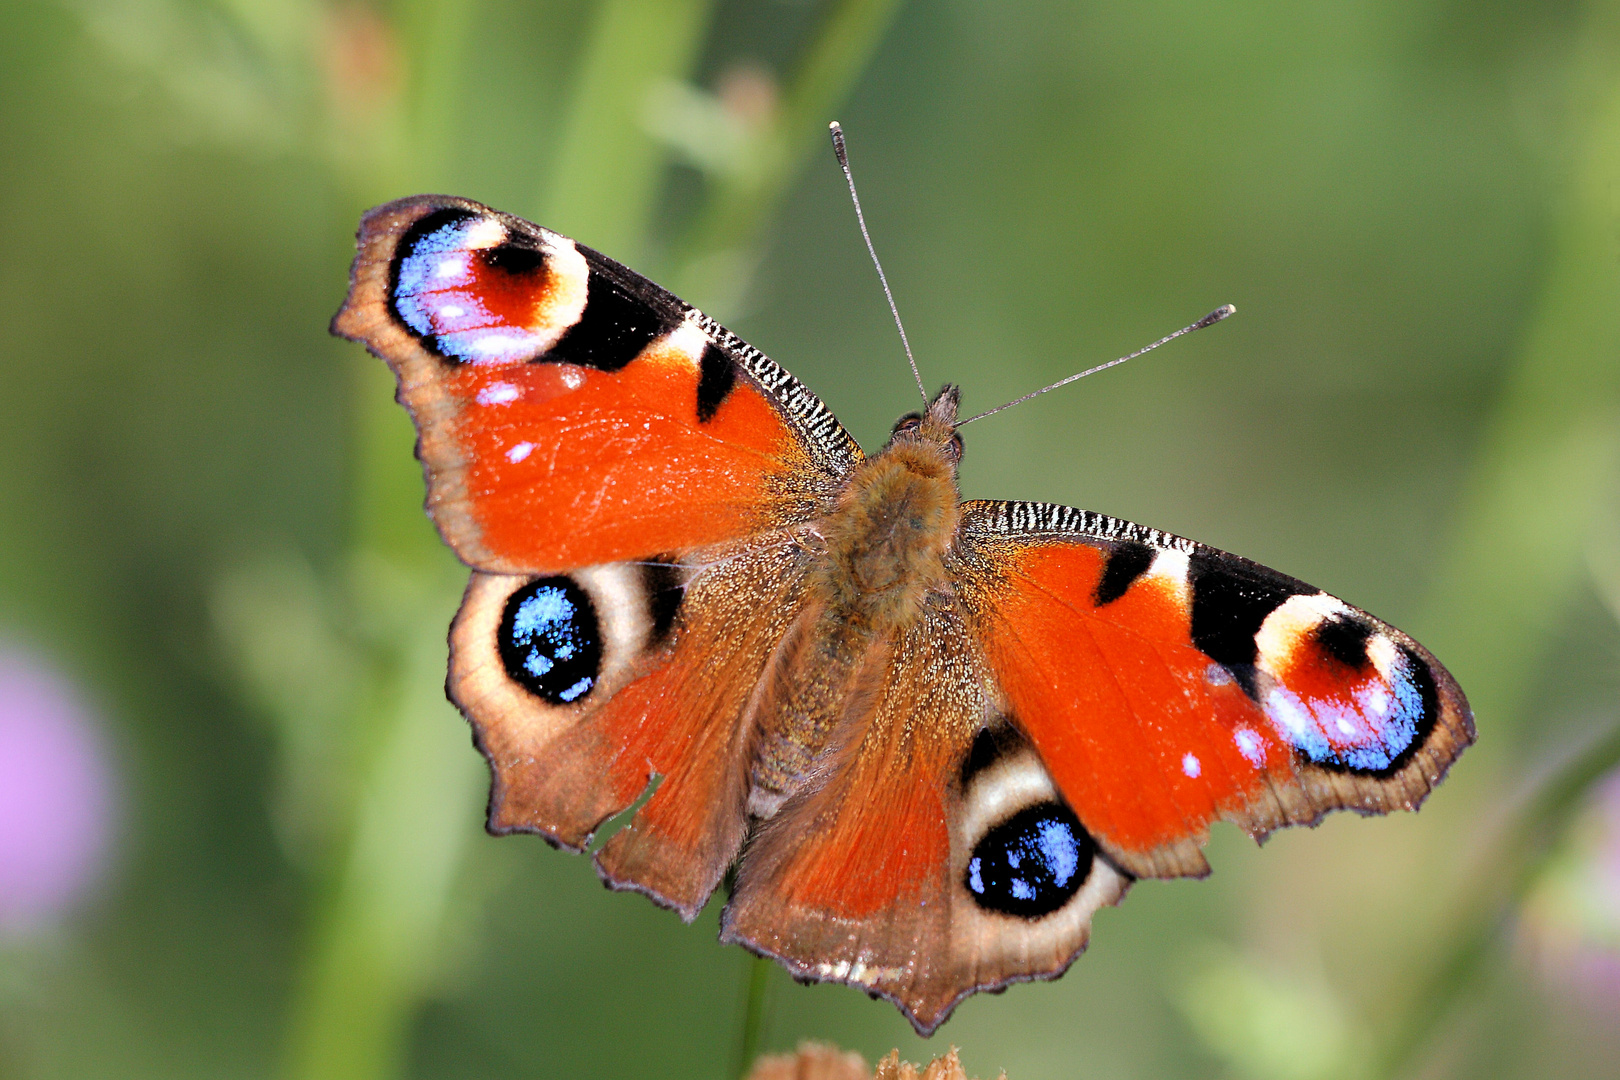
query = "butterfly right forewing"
x=1167 y=685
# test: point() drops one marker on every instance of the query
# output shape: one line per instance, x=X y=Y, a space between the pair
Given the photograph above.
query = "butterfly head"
x=936 y=426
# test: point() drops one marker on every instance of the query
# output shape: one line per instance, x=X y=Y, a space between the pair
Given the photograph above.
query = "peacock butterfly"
x=932 y=736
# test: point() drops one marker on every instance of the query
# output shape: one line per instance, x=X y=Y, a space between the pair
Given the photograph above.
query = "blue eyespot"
x=1031 y=864
x=466 y=288
x=1373 y=728
x=549 y=640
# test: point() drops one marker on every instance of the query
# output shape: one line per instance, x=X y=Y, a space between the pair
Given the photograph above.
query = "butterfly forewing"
x=1167 y=685
x=570 y=412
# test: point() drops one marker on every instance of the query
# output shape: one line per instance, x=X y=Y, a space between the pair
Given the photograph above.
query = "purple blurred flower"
x=56 y=797
x=1572 y=917
x=1608 y=857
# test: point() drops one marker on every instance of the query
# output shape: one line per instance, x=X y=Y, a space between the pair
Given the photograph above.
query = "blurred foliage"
x=211 y=515
x=1272 y=1026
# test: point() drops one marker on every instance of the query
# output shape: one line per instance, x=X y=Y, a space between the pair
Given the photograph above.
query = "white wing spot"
x=688 y=340
x=1170 y=568
x=1377 y=702
x=499 y=346
x=519 y=452
x=1249 y=745
x=452 y=266
x=1286 y=710
x=484 y=233
x=498 y=393
x=1190 y=766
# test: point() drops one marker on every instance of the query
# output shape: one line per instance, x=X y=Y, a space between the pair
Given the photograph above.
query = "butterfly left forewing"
x=569 y=411
x=625 y=476
x=1167 y=685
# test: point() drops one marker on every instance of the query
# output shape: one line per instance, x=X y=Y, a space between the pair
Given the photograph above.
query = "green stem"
x=607 y=171
x=378 y=918
x=735 y=213
x=755 y=1002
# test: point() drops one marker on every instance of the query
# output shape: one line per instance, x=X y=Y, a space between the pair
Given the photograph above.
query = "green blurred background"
x=211 y=542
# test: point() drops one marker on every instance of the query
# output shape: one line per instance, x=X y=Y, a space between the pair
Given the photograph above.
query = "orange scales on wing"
x=571 y=466
x=1119 y=702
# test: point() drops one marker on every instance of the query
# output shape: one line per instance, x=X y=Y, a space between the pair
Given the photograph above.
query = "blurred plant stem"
x=606 y=174
x=715 y=256
x=1495 y=894
x=378 y=926
x=379 y=922
x=1545 y=466
x=755 y=1000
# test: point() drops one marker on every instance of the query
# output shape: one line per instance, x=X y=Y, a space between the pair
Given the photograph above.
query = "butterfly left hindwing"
x=583 y=687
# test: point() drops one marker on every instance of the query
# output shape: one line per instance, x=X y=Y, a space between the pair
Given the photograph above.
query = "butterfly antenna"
x=1208 y=320
x=843 y=163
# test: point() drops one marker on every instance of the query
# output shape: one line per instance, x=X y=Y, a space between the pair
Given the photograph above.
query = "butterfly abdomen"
x=886 y=542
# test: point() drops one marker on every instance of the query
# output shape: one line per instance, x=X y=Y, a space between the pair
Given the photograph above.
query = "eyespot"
x=1031 y=864
x=550 y=641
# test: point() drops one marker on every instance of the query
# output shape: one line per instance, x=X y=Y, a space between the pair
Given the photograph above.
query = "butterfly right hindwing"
x=932 y=856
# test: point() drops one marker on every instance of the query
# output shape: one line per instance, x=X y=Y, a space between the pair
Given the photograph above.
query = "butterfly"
x=928 y=738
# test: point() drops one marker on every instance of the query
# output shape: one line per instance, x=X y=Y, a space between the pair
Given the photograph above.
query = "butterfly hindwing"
x=1167 y=685
x=569 y=411
x=932 y=856
x=583 y=687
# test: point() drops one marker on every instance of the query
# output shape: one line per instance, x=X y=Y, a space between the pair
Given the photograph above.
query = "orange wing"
x=583 y=687
x=619 y=470
x=1166 y=684
x=569 y=411
x=932 y=856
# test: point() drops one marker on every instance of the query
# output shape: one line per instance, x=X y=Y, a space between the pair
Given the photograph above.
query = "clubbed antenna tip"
x=1208 y=320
